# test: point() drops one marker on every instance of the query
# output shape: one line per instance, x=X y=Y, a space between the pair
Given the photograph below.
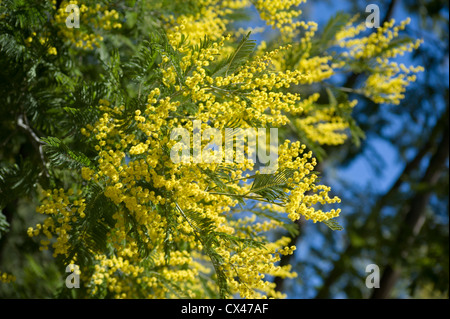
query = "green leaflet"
x=16 y=181
x=140 y=66
x=272 y=186
x=237 y=58
x=333 y=224
x=92 y=231
x=334 y=25
x=61 y=155
x=205 y=233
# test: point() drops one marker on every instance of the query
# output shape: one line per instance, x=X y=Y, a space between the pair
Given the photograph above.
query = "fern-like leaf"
x=138 y=68
x=272 y=186
x=333 y=224
x=237 y=58
x=16 y=181
x=204 y=232
x=90 y=235
x=61 y=155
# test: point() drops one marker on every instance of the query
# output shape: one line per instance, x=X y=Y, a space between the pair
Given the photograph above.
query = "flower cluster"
x=323 y=125
x=305 y=194
x=95 y=17
x=281 y=14
x=64 y=209
x=389 y=84
x=43 y=40
x=171 y=202
x=6 y=278
x=388 y=80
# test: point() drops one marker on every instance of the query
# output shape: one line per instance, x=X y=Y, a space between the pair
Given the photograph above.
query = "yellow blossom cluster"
x=281 y=14
x=169 y=201
x=249 y=267
x=305 y=193
x=94 y=17
x=255 y=80
x=7 y=278
x=388 y=79
x=209 y=21
x=43 y=40
x=63 y=209
x=322 y=125
x=374 y=44
x=389 y=83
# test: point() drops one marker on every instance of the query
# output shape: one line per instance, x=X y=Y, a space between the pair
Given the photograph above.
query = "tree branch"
x=371 y=220
x=414 y=219
x=22 y=122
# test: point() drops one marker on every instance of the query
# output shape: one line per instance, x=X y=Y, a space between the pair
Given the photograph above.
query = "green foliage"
x=237 y=58
x=93 y=230
x=333 y=225
x=272 y=186
x=60 y=155
x=334 y=25
x=16 y=182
